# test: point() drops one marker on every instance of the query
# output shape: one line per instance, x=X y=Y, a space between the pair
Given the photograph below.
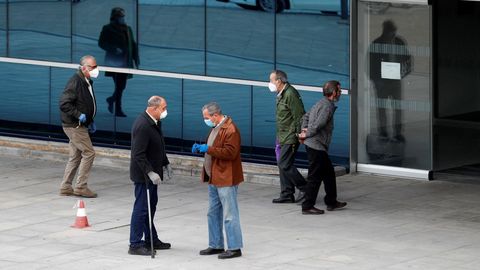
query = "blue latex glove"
x=203 y=148
x=92 y=128
x=195 y=148
x=82 y=118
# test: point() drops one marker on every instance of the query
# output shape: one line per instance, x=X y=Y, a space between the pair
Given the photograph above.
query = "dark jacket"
x=148 y=149
x=75 y=100
x=225 y=151
x=289 y=115
x=319 y=124
x=116 y=36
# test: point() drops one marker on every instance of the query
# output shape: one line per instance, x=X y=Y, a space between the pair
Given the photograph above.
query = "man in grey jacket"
x=317 y=129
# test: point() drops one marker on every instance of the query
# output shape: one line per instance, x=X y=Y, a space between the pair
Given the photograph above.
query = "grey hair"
x=330 y=87
x=280 y=75
x=155 y=101
x=212 y=108
x=84 y=59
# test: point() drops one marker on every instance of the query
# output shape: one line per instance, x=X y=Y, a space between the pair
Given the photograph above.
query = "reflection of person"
x=222 y=169
x=77 y=109
x=317 y=129
x=148 y=159
x=389 y=47
x=289 y=119
x=121 y=50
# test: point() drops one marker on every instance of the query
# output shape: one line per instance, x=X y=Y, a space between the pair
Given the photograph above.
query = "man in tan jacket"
x=223 y=171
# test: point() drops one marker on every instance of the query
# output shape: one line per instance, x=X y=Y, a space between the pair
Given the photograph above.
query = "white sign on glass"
x=391 y=70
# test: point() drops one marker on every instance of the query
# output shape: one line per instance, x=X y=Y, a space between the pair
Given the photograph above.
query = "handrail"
x=160 y=74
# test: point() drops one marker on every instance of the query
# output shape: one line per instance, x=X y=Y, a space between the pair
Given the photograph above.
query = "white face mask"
x=272 y=87
x=94 y=73
x=163 y=114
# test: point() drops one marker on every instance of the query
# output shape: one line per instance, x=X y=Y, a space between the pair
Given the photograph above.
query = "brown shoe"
x=84 y=192
x=66 y=191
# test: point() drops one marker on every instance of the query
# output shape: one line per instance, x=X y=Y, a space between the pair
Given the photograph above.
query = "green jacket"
x=290 y=111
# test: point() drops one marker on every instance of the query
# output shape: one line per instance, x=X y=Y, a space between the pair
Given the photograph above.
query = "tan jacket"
x=226 y=162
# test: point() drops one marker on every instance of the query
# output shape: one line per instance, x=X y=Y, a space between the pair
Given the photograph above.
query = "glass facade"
x=3 y=28
x=308 y=40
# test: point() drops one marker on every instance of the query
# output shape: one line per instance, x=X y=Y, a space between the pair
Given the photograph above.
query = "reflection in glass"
x=313 y=43
x=3 y=28
x=394 y=85
x=390 y=62
x=172 y=35
x=88 y=18
x=240 y=42
x=39 y=30
x=118 y=41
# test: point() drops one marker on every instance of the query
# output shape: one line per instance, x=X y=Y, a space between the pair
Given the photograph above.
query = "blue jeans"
x=139 y=225
x=223 y=209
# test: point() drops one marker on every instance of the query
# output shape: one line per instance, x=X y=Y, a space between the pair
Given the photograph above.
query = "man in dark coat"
x=147 y=162
x=121 y=50
x=389 y=47
x=77 y=110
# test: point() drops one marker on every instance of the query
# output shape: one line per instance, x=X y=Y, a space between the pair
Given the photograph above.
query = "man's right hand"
x=154 y=177
x=82 y=118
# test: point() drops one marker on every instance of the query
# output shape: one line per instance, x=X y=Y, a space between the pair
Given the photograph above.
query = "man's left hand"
x=203 y=148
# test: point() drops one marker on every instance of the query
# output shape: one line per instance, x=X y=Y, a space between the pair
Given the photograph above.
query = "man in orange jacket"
x=222 y=169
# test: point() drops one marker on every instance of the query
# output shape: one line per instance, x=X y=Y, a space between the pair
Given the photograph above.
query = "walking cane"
x=150 y=221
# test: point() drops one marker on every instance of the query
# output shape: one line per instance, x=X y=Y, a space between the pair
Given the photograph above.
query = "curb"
x=120 y=158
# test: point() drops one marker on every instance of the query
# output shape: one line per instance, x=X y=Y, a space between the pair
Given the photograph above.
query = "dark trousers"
x=120 y=81
x=290 y=177
x=139 y=225
x=320 y=169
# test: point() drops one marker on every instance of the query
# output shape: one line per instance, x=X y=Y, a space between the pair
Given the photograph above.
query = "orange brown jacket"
x=225 y=152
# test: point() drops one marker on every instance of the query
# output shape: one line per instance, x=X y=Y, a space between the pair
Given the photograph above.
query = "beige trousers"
x=80 y=158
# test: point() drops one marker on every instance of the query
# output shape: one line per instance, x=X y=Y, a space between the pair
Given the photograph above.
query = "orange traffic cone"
x=81 y=221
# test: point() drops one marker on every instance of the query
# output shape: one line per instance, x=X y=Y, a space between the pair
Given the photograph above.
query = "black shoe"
x=290 y=199
x=158 y=245
x=300 y=197
x=110 y=101
x=230 y=254
x=211 y=251
x=337 y=205
x=312 y=211
x=140 y=251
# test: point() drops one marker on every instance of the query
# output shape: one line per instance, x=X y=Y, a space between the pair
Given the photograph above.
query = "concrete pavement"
x=388 y=224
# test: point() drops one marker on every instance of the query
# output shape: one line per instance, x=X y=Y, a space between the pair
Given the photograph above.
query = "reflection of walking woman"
x=121 y=51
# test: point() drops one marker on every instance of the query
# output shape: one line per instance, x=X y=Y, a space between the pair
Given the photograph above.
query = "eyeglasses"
x=92 y=67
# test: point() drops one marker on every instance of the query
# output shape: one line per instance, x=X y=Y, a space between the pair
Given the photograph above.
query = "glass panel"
x=24 y=95
x=394 y=81
x=313 y=43
x=89 y=18
x=141 y=88
x=39 y=30
x=172 y=35
x=239 y=41
x=233 y=99
x=3 y=27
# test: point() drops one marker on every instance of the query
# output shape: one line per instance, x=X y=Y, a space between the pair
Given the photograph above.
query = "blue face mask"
x=209 y=123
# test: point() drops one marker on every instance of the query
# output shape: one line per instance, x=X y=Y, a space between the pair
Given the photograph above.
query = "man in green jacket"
x=289 y=115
